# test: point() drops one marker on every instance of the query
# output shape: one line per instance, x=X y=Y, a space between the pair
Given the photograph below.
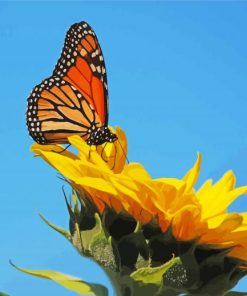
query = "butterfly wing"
x=75 y=98
x=57 y=110
x=82 y=65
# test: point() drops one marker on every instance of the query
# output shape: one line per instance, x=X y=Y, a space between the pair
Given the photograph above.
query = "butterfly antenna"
x=124 y=152
x=102 y=151
x=89 y=152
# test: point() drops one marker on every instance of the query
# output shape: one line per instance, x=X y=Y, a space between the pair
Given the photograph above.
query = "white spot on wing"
x=93 y=67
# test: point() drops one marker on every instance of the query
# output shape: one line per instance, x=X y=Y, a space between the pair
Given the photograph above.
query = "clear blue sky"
x=177 y=83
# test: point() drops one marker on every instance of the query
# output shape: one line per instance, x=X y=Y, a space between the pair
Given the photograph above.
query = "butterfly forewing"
x=82 y=64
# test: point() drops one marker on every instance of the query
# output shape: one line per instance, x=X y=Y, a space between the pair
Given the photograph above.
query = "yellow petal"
x=243 y=227
x=204 y=189
x=218 y=196
x=125 y=190
x=125 y=181
x=92 y=170
x=65 y=165
x=226 y=233
x=97 y=160
x=114 y=154
x=167 y=194
x=231 y=222
x=37 y=148
x=214 y=222
x=244 y=216
x=192 y=175
x=186 y=224
x=179 y=185
x=234 y=194
x=220 y=203
x=136 y=171
x=226 y=183
x=82 y=147
x=87 y=153
x=107 y=153
x=121 y=150
x=96 y=183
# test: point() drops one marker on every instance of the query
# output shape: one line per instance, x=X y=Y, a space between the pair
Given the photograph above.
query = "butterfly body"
x=100 y=135
x=74 y=100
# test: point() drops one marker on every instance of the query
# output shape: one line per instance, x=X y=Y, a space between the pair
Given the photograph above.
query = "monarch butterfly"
x=74 y=100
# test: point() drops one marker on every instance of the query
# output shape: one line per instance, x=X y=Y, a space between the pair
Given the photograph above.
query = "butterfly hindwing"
x=57 y=110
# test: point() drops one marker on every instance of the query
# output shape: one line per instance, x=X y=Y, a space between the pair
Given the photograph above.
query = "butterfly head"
x=100 y=136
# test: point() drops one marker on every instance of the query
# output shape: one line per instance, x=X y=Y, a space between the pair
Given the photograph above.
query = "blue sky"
x=177 y=85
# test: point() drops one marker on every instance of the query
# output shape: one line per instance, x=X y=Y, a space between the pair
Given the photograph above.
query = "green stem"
x=114 y=279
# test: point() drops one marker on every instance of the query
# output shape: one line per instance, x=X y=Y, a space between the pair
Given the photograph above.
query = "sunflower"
x=161 y=218
x=100 y=173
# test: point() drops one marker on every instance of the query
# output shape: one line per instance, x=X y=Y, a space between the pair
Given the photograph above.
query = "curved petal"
x=97 y=183
x=186 y=223
x=136 y=171
x=192 y=175
x=216 y=198
x=121 y=150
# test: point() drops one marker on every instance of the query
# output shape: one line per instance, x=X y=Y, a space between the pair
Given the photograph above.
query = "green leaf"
x=3 y=294
x=67 y=281
x=235 y=293
x=60 y=230
x=153 y=275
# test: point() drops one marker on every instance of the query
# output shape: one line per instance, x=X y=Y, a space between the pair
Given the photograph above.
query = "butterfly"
x=74 y=100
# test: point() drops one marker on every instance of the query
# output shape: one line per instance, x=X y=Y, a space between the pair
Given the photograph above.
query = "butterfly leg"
x=114 y=163
x=89 y=152
x=62 y=149
x=102 y=151
x=97 y=150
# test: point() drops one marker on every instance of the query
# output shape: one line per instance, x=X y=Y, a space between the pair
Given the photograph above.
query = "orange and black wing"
x=82 y=65
x=57 y=110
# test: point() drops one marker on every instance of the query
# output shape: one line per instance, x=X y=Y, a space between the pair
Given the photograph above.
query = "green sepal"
x=67 y=281
x=77 y=240
x=175 y=277
x=89 y=237
x=70 y=210
x=60 y=230
x=153 y=275
x=81 y=212
x=162 y=246
x=87 y=241
x=208 y=270
x=74 y=200
x=189 y=263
